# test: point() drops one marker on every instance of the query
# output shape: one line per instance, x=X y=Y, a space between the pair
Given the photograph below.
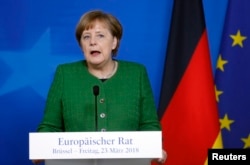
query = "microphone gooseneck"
x=96 y=93
x=96 y=90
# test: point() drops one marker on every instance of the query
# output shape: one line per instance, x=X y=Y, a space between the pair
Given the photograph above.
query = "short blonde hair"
x=88 y=19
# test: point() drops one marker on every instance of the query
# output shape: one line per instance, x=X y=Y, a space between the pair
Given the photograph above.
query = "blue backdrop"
x=35 y=36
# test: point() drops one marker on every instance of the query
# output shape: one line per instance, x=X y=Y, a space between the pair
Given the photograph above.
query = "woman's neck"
x=104 y=72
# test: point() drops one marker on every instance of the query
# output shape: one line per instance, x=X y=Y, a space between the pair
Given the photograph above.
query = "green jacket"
x=125 y=101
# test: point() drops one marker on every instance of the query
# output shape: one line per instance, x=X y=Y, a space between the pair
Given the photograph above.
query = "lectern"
x=96 y=148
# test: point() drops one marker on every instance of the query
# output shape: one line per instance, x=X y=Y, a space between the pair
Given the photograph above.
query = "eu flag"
x=233 y=76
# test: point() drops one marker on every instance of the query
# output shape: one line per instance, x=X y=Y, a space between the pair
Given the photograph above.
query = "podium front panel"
x=95 y=145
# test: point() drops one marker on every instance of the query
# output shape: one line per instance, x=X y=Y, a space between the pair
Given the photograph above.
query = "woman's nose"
x=92 y=40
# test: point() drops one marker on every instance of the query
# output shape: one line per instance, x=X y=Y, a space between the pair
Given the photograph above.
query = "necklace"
x=112 y=72
x=101 y=76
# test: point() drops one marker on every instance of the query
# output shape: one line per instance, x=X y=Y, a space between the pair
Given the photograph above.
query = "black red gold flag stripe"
x=188 y=109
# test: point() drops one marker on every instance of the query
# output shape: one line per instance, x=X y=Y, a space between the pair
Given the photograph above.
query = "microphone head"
x=96 y=90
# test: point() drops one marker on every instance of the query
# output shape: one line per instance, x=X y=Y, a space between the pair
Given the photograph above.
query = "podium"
x=96 y=148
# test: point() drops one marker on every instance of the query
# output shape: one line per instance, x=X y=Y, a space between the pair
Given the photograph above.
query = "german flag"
x=188 y=108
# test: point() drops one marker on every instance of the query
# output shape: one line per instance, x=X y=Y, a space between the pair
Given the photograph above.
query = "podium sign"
x=95 y=145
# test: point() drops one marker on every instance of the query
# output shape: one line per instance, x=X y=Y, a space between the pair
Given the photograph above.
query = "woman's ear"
x=114 y=43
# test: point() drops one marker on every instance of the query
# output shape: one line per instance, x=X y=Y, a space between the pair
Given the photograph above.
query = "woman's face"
x=97 y=44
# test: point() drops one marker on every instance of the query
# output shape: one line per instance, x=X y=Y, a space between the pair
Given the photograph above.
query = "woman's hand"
x=37 y=161
x=162 y=159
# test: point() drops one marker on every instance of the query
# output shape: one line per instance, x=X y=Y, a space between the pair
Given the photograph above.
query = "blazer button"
x=101 y=100
x=102 y=115
x=103 y=130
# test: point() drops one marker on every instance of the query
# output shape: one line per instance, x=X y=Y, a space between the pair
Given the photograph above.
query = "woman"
x=125 y=100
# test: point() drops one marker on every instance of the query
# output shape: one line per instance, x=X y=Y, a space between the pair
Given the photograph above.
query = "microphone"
x=96 y=90
x=96 y=93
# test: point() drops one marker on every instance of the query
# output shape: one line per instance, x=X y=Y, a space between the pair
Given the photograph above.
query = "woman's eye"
x=100 y=35
x=85 y=37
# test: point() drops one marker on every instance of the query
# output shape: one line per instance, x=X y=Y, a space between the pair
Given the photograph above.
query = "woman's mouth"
x=95 y=52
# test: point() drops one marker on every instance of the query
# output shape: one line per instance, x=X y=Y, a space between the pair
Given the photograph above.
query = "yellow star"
x=217 y=94
x=225 y=122
x=246 y=141
x=221 y=63
x=238 y=39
